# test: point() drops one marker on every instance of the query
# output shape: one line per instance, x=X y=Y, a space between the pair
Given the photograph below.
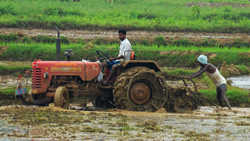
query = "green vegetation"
x=14 y=70
x=158 y=41
x=168 y=15
x=171 y=56
x=236 y=96
x=7 y=94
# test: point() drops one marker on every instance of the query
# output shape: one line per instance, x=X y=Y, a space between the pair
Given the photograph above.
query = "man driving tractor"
x=124 y=54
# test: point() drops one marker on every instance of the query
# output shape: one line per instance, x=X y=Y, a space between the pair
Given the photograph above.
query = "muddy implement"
x=183 y=98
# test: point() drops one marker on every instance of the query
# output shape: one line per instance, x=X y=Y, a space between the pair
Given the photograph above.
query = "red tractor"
x=137 y=85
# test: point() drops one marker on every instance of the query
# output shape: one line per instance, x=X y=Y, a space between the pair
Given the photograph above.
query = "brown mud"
x=51 y=123
x=150 y=35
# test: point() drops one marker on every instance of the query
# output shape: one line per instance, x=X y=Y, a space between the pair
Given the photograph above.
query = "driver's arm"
x=119 y=57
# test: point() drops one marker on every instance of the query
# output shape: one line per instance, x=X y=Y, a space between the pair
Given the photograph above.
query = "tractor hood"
x=86 y=70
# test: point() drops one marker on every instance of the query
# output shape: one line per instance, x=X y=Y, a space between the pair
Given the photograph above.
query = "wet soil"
x=89 y=35
x=8 y=81
x=15 y=63
x=50 y=123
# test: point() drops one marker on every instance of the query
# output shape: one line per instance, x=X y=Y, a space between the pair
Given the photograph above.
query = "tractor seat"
x=132 y=55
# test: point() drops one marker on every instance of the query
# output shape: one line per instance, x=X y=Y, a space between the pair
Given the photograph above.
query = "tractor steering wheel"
x=102 y=55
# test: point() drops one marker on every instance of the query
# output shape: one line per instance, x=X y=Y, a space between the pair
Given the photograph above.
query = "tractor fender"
x=141 y=63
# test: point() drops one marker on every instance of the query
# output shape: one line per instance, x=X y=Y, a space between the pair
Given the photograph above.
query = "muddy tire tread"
x=58 y=96
x=121 y=99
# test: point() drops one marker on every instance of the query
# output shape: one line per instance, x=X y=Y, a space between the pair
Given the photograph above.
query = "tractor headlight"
x=45 y=75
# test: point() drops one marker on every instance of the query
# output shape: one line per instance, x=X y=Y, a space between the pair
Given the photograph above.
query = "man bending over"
x=214 y=74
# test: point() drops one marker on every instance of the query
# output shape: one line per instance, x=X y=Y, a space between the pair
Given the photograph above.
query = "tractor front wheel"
x=61 y=98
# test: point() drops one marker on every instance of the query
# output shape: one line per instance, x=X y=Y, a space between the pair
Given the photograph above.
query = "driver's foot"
x=105 y=83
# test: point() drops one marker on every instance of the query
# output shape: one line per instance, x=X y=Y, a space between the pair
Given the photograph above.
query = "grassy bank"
x=226 y=71
x=8 y=97
x=157 y=41
x=170 y=56
x=236 y=96
x=182 y=15
x=14 y=70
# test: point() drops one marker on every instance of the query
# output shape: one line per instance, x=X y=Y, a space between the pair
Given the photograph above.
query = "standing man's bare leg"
x=223 y=95
x=219 y=96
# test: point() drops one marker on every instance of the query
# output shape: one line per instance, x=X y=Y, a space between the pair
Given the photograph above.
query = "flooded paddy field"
x=50 y=123
x=241 y=81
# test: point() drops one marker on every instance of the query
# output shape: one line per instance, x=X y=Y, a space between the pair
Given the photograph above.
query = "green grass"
x=158 y=41
x=172 y=56
x=7 y=93
x=129 y=14
x=14 y=70
x=237 y=97
x=243 y=69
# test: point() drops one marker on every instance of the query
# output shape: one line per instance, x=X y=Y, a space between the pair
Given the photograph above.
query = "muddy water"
x=241 y=81
x=5 y=128
x=206 y=123
x=11 y=82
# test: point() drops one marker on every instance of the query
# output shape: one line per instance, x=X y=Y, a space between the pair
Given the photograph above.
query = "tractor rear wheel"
x=140 y=89
x=61 y=98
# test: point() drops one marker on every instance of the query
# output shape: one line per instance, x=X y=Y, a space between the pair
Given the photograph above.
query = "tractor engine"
x=80 y=78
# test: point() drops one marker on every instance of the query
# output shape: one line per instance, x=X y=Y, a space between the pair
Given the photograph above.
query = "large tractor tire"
x=140 y=89
x=61 y=98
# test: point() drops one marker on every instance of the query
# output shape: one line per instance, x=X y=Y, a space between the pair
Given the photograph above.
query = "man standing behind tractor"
x=112 y=63
x=214 y=74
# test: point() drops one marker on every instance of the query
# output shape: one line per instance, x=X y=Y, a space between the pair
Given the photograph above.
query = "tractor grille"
x=36 y=78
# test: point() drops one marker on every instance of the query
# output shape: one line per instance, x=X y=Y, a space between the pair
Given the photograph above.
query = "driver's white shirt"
x=125 y=45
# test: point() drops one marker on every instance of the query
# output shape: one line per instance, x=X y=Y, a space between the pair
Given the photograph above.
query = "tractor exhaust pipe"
x=58 y=45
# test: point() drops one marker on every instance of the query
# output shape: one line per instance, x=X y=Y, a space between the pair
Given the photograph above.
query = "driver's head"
x=122 y=34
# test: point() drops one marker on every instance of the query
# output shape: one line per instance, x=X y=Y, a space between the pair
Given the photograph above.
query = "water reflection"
x=241 y=81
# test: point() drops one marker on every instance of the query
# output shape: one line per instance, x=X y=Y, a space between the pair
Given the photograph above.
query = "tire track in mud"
x=93 y=34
